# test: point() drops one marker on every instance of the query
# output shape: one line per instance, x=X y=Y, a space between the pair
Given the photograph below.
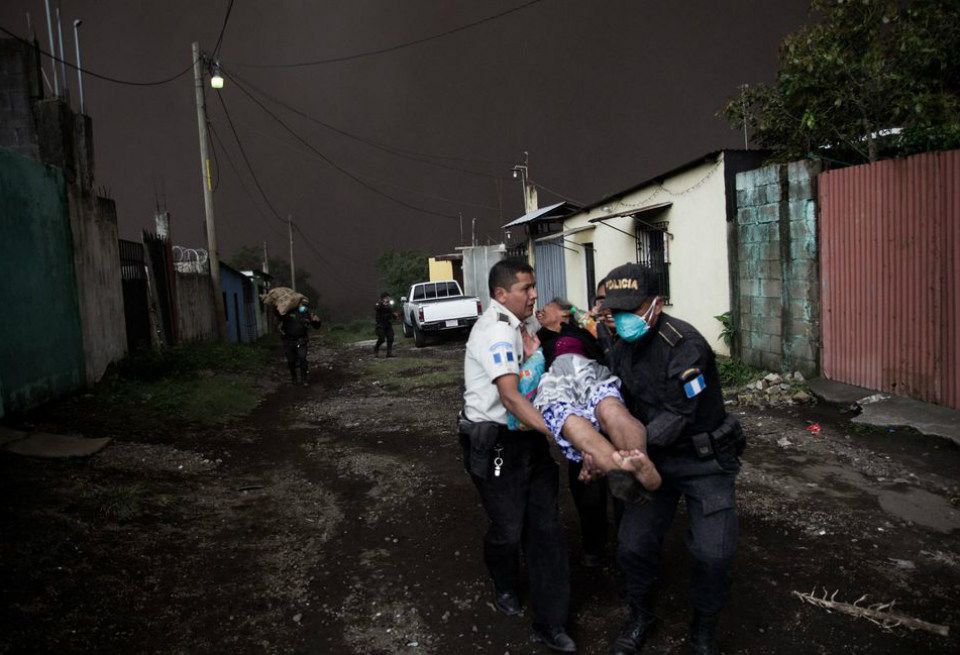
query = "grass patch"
x=405 y=374
x=342 y=334
x=120 y=503
x=429 y=379
x=207 y=401
x=734 y=373
x=205 y=383
x=192 y=358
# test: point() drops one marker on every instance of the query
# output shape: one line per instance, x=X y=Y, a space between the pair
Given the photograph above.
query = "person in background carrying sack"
x=293 y=331
x=513 y=470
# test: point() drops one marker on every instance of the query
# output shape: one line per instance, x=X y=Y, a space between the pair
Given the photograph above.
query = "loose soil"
x=338 y=519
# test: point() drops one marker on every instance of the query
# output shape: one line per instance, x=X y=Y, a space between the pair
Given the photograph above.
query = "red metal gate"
x=890 y=278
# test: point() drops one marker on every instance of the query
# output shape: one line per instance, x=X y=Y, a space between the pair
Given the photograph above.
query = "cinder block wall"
x=19 y=78
x=778 y=308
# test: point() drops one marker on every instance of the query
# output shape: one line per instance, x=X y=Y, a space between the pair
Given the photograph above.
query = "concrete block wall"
x=18 y=85
x=778 y=305
x=96 y=261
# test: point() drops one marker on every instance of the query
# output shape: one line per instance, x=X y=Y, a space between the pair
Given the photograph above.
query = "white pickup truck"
x=434 y=307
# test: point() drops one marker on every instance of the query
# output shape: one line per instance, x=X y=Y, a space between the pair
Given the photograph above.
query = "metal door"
x=551 y=270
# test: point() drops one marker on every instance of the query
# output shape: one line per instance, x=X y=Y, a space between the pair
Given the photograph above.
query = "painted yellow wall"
x=699 y=269
x=440 y=270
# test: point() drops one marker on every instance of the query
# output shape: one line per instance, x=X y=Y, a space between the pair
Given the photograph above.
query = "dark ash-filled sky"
x=602 y=94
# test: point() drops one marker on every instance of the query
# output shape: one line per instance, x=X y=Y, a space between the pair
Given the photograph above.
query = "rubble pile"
x=773 y=390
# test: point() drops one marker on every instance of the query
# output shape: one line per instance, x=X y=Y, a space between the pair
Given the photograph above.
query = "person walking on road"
x=671 y=384
x=293 y=332
x=384 y=314
x=513 y=471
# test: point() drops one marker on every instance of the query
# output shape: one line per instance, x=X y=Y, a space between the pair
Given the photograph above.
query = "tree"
x=248 y=258
x=399 y=269
x=870 y=78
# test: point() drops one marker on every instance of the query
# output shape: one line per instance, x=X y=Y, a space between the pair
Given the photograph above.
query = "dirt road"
x=337 y=519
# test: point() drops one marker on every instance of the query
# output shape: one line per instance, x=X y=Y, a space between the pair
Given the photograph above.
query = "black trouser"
x=521 y=505
x=296 y=353
x=384 y=333
x=711 y=536
x=590 y=500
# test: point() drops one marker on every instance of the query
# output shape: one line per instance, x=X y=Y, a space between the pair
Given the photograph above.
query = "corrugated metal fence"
x=890 y=243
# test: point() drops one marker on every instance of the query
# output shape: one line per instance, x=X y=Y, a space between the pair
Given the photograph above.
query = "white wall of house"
x=699 y=266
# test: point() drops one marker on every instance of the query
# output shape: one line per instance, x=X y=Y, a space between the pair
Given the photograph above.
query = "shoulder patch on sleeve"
x=689 y=374
x=502 y=353
x=503 y=317
x=695 y=386
x=670 y=335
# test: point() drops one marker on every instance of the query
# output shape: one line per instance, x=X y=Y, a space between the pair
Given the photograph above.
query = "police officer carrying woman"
x=671 y=384
x=514 y=473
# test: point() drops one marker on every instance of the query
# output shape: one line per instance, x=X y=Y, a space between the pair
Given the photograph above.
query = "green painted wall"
x=41 y=345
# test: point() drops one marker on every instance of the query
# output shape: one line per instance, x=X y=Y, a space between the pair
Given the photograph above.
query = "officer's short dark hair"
x=504 y=273
x=385 y=294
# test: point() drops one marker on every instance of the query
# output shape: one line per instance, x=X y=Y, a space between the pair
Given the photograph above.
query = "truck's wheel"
x=419 y=338
x=407 y=332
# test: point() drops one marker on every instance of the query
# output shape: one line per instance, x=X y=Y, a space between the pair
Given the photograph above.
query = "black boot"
x=702 y=641
x=635 y=632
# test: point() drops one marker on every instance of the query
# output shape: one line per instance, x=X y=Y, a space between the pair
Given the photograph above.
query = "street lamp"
x=216 y=78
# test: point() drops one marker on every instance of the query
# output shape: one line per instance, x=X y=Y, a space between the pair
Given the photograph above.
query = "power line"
x=333 y=164
x=556 y=193
x=91 y=73
x=394 y=150
x=311 y=155
x=246 y=159
x=236 y=170
x=397 y=46
x=223 y=29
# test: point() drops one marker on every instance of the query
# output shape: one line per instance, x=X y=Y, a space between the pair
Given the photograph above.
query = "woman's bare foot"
x=640 y=466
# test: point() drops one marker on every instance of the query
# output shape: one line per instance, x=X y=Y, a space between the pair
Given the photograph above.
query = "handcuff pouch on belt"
x=727 y=440
x=479 y=440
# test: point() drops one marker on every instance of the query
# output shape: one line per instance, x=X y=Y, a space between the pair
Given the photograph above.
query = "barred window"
x=653 y=250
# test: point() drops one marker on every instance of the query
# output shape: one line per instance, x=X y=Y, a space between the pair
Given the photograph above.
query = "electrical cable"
x=556 y=193
x=311 y=155
x=216 y=160
x=91 y=73
x=246 y=160
x=319 y=257
x=394 y=150
x=246 y=190
x=395 y=47
x=333 y=164
x=223 y=29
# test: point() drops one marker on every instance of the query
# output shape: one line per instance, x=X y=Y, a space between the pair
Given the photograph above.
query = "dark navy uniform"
x=383 y=315
x=293 y=330
x=671 y=384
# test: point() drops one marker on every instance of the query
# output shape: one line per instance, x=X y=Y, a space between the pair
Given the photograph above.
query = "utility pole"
x=76 y=42
x=473 y=231
x=206 y=177
x=265 y=267
x=53 y=51
x=460 y=215
x=63 y=58
x=293 y=269
x=522 y=172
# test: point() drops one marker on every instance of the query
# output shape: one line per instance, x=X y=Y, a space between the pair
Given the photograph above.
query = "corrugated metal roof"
x=537 y=213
